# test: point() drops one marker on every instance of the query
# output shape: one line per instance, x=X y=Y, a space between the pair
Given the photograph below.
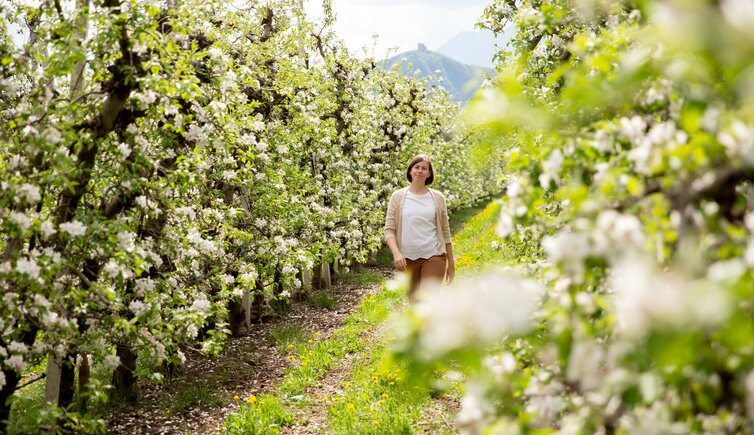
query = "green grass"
x=364 y=278
x=286 y=334
x=191 y=395
x=321 y=299
x=263 y=415
x=473 y=245
x=460 y=218
x=384 y=257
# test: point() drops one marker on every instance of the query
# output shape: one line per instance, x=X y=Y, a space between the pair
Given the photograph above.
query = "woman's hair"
x=417 y=159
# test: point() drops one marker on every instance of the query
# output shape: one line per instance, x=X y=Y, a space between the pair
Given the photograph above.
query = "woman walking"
x=417 y=230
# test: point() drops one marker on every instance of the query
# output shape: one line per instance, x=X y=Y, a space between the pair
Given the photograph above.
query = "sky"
x=400 y=23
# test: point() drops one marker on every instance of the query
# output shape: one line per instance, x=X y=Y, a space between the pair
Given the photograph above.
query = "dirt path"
x=250 y=364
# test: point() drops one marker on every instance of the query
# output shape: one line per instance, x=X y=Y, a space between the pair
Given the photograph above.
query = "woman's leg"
x=413 y=268
x=433 y=271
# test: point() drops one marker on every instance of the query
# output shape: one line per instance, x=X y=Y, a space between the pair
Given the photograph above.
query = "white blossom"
x=126 y=241
x=17 y=347
x=568 y=248
x=29 y=192
x=475 y=408
x=124 y=150
x=740 y=14
x=201 y=304
x=505 y=225
x=633 y=129
x=22 y=221
x=617 y=231
x=197 y=135
x=16 y=362
x=111 y=362
x=138 y=307
x=73 y=228
x=144 y=286
x=47 y=229
x=645 y=298
x=257 y=125
x=192 y=331
x=53 y=135
x=229 y=175
x=454 y=317
x=551 y=168
x=28 y=267
x=585 y=364
x=514 y=189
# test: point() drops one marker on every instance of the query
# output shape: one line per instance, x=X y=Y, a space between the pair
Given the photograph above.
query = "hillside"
x=472 y=48
x=460 y=80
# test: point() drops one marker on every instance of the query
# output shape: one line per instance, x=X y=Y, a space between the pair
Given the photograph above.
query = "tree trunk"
x=67 y=381
x=11 y=382
x=236 y=317
x=124 y=381
x=321 y=276
x=84 y=376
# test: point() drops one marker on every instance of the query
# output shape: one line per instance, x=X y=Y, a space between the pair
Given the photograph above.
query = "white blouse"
x=419 y=228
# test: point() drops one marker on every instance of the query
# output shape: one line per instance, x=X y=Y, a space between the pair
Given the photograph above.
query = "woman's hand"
x=399 y=262
x=450 y=272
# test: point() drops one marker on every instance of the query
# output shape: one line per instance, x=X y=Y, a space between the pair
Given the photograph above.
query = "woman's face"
x=420 y=172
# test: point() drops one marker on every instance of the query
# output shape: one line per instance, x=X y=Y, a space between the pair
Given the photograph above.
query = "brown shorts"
x=425 y=271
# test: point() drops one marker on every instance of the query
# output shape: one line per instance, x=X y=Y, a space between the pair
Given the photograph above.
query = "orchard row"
x=162 y=160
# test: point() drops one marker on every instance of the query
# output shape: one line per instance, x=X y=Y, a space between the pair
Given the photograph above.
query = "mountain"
x=475 y=48
x=460 y=80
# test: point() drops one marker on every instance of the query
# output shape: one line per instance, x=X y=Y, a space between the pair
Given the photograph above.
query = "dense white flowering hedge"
x=628 y=129
x=159 y=159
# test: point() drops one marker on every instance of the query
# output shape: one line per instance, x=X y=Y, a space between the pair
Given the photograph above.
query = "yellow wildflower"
x=251 y=400
x=350 y=406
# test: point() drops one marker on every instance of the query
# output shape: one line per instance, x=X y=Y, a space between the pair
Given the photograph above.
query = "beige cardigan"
x=395 y=213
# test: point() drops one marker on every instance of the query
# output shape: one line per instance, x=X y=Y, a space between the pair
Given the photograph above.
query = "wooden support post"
x=324 y=273
x=246 y=303
x=52 y=382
